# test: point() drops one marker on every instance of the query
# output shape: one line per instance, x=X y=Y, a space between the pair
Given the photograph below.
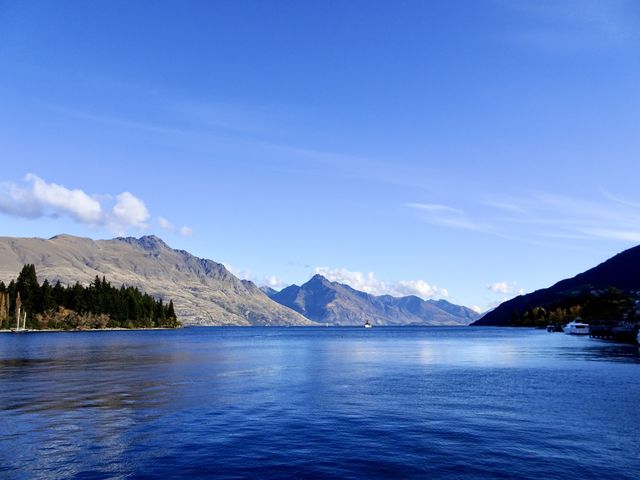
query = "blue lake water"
x=446 y=403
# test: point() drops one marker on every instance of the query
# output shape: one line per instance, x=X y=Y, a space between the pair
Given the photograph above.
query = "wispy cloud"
x=367 y=282
x=170 y=227
x=447 y=216
x=36 y=198
x=538 y=217
x=121 y=121
x=433 y=207
x=576 y=25
x=502 y=205
x=613 y=234
x=205 y=127
x=619 y=200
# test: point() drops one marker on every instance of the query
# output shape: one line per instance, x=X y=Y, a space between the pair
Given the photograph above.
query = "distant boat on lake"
x=576 y=328
x=367 y=324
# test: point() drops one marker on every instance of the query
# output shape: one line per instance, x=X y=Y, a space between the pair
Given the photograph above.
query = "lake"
x=438 y=402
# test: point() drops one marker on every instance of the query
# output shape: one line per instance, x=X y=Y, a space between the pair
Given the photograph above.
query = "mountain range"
x=621 y=271
x=206 y=293
x=334 y=303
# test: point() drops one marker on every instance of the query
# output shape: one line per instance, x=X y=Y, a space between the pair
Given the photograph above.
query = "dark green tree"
x=98 y=305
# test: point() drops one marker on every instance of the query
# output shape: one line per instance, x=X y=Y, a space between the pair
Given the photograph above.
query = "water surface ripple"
x=448 y=403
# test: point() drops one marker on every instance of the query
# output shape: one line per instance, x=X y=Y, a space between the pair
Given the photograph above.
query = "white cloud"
x=129 y=211
x=169 y=227
x=419 y=288
x=265 y=280
x=274 y=282
x=185 y=231
x=165 y=224
x=370 y=284
x=37 y=198
x=244 y=274
x=42 y=198
x=502 y=292
x=18 y=202
x=506 y=288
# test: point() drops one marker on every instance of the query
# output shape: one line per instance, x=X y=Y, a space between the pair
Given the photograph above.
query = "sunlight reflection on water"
x=334 y=402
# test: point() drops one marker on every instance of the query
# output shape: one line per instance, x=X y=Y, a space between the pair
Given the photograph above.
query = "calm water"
x=318 y=402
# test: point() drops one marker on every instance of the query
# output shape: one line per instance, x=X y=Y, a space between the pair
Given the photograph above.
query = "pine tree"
x=171 y=314
x=124 y=306
x=29 y=288
x=48 y=301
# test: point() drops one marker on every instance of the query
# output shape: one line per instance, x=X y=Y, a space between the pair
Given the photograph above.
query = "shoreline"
x=80 y=330
x=121 y=329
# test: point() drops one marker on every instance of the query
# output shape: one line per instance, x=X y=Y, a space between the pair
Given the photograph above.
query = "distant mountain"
x=333 y=303
x=621 y=271
x=456 y=310
x=268 y=291
x=204 y=292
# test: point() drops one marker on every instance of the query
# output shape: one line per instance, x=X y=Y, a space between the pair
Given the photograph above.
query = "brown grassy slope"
x=204 y=292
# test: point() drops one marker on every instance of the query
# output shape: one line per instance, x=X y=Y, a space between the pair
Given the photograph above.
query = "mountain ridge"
x=204 y=291
x=335 y=303
x=620 y=271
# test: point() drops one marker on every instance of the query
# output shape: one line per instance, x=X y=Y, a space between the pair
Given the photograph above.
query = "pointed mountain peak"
x=146 y=242
x=318 y=279
x=336 y=303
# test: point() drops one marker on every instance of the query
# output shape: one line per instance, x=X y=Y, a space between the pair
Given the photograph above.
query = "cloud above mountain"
x=129 y=211
x=500 y=292
x=506 y=288
x=170 y=227
x=370 y=284
x=271 y=281
x=36 y=198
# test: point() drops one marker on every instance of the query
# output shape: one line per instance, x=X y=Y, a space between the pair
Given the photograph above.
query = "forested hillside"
x=99 y=305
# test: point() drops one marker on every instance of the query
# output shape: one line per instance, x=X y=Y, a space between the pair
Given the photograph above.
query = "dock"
x=622 y=333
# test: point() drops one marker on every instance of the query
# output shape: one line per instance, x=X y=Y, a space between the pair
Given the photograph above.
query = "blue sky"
x=460 y=149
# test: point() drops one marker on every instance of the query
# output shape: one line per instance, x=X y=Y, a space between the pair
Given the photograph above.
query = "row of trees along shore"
x=98 y=305
x=606 y=306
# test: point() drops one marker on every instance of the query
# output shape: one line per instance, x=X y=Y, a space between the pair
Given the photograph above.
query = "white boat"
x=367 y=324
x=576 y=328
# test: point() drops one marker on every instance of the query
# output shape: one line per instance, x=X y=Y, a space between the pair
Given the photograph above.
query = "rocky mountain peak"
x=318 y=280
x=146 y=242
x=204 y=292
x=335 y=303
